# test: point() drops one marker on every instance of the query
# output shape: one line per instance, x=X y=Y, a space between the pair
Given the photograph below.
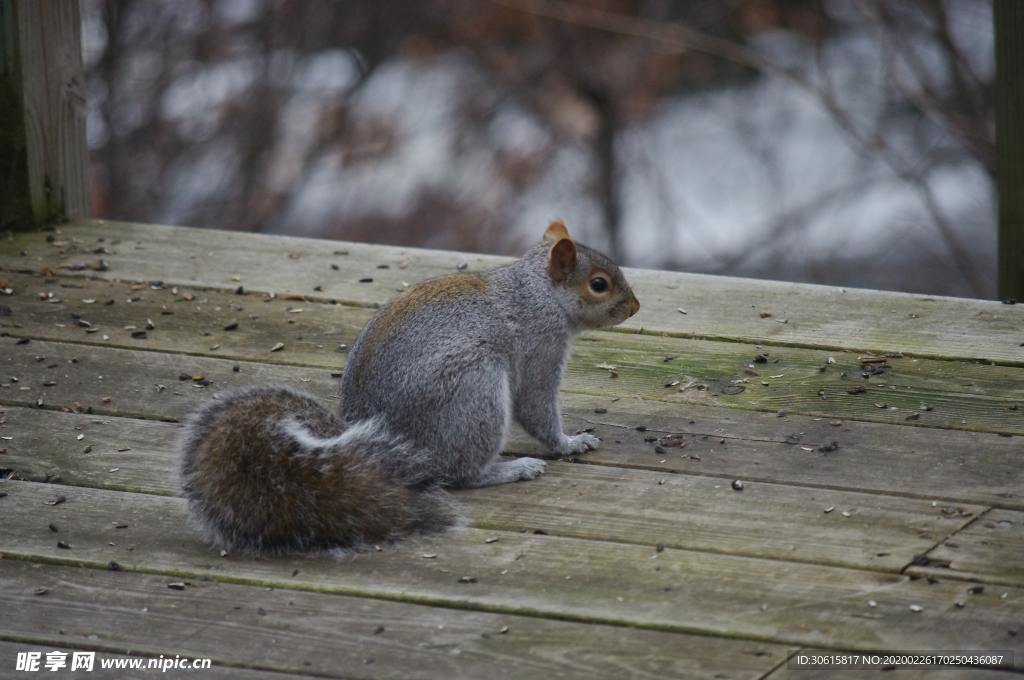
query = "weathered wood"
x=682 y=511
x=339 y=636
x=956 y=395
x=961 y=395
x=42 y=113
x=114 y=453
x=816 y=316
x=1008 y=18
x=990 y=549
x=737 y=564
x=716 y=307
x=571 y=579
x=185 y=320
x=9 y=654
x=194 y=322
x=949 y=467
x=142 y=384
x=929 y=463
x=698 y=513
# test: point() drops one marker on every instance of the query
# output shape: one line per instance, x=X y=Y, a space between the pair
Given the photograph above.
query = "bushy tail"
x=269 y=470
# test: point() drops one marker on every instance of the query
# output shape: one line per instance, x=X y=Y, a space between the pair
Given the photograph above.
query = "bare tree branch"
x=681 y=37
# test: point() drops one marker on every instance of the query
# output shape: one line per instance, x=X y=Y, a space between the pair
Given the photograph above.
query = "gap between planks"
x=882 y=321
x=988 y=400
x=20 y=277
x=80 y=420
x=770 y=521
x=289 y=630
x=738 y=597
x=965 y=467
x=990 y=550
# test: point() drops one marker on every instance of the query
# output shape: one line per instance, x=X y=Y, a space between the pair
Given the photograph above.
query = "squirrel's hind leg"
x=493 y=409
x=468 y=432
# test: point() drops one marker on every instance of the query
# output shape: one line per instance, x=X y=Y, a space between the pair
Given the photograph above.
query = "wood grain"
x=912 y=391
x=920 y=462
x=42 y=107
x=716 y=307
x=338 y=636
x=181 y=320
x=585 y=501
x=677 y=590
x=990 y=549
x=916 y=460
x=947 y=467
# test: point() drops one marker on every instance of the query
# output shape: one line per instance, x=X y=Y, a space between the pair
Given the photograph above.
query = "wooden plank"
x=941 y=463
x=9 y=655
x=1008 y=19
x=958 y=395
x=339 y=636
x=184 y=320
x=55 y=307
x=958 y=467
x=698 y=513
x=144 y=384
x=948 y=467
x=682 y=511
x=961 y=395
x=569 y=579
x=42 y=113
x=806 y=315
x=194 y=322
x=114 y=453
x=716 y=307
x=990 y=549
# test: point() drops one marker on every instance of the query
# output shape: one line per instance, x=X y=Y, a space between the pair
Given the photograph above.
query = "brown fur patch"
x=442 y=289
x=240 y=460
x=260 y=491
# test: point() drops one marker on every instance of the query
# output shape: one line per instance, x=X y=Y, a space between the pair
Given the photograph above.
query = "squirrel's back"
x=269 y=470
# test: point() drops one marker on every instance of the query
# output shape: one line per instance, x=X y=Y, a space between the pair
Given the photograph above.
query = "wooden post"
x=1009 y=31
x=43 y=155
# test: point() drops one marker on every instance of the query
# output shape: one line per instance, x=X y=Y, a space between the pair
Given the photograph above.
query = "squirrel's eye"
x=599 y=284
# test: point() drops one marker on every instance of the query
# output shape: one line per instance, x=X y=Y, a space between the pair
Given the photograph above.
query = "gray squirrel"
x=428 y=394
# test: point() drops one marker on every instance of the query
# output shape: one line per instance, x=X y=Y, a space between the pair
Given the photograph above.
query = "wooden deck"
x=882 y=506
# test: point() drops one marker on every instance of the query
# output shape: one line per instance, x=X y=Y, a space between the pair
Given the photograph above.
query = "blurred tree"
x=448 y=124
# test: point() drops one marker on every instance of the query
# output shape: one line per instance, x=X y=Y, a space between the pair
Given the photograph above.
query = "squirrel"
x=427 y=396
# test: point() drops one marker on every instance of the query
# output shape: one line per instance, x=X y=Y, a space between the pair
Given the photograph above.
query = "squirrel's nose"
x=634 y=306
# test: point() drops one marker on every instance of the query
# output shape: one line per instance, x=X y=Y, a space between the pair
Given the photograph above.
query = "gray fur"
x=438 y=378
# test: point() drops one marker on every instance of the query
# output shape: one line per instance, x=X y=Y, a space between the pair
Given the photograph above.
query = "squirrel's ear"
x=562 y=259
x=556 y=232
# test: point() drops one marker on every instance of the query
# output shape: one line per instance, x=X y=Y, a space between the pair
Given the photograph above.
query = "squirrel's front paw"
x=581 y=443
x=529 y=468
